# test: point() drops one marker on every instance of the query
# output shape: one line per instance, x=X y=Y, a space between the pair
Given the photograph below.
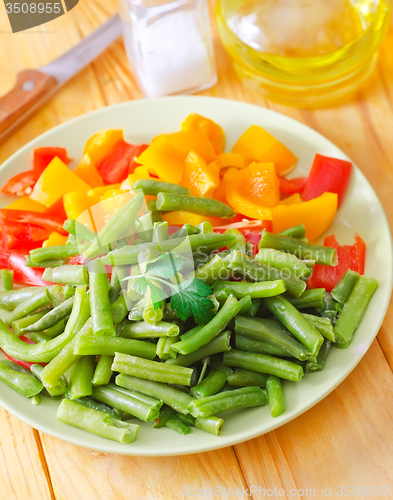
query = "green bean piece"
x=30 y=305
x=245 y=397
x=138 y=405
x=45 y=263
x=321 y=254
x=11 y=299
x=165 y=414
x=38 y=337
x=185 y=230
x=136 y=313
x=119 y=309
x=55 y=330
x=81 y=376
x=177 y=425
x=310 y=299
x=24 y=384
x=353 y=310
x=317 y=364
x=56 y=389
x=144 y=329
x=103 y=371
x=344 y=287
x=198 y=242
x=293 y=320
x=172 y=397
x=144 y=227
x=267 y=331
x=213 y=383
x=170 y=202
x=258 y=290
x=217 y=345
x=96 y=422
x=251 y=345
x=79 y=230
x=323 y=325
x=53 y=253
x=151 y=314
x=211 y=271
x=164 y=347
x=36 y=400
x=7 y=279
x=295 y=231
x=119 y=225
x=160 y=231
x=256 y=304
x=67 y=275
x=152 y=187
x=283 y=261
x=275 y=395
x=88 y=402
x=186 y=419
x=251 y=269
x=215 y=326
x=153 y=370
x=115 y=288
x=240 y=243
x=155 y=214
x=191 y=332
x=52 y=317
x=263 y=363
x=246 y=378
x=212 y=424
x=68 y=291
x=246 y=303
x=20 y=325
x=99 y=300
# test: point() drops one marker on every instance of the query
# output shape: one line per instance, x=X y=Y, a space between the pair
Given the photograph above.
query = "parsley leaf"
x=192 y=298
x=165 y=266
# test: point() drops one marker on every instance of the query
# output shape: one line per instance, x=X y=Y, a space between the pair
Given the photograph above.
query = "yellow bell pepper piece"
x=254 y=191
x=294 y=199
x=316 y=214
x=201 y=179
x=139 y=173
x=180 y=218
x=54 y=239
x=233 y=160
x=164 y=159
x=211 y=129
x=75 y=203
x=99 y=192
x=87 y=171
x=220 y=193
x=192 y=140
x=26 y=203
x=56 y=180
x=101 y=142
x=261 y=146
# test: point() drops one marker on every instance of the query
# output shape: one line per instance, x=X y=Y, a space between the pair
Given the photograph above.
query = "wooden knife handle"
x=31 y=90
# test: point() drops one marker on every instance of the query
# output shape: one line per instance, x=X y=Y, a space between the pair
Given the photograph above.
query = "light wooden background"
x=345 y=440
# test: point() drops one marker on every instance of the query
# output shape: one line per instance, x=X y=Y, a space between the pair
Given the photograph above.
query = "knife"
x=34 y=88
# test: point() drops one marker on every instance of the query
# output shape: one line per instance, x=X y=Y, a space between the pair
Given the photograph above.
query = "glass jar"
x=304 y=53
x=169 y=45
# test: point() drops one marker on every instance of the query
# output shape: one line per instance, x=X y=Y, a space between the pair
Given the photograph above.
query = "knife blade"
x=34 y=88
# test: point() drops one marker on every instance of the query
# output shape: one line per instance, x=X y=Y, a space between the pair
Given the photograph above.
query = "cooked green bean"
x=152 y=187
x=215 y=326
x=51 y=318
x=7 y=279
x=263 y=363
x=275 y=395
x=115 y=286
x=310 y=299
x=45 y=263
x=256 y=304
x=81 y=376
x=67 y=275
x=251 y=345
x=79 y=230
x=170 y=202
x=187 y=419
x=53 y=253
x=246 y=303
x=344 y=287
x=155 y=214
x=88 y=343
x=213 y=383
x=11 y=299
x=21 y=324
x=323 y=325
x=294 y=232
x=96 y=422
x=212 y=425
x=321 y=254
x=177 y=425
x=164 y=347
x=244 y=397
x=57 y=389
x=317 y=364
x=55 y=330
x=153 y=370
x=283 y=261
x=245 y=378
x=151 y=313
x=38 y=337
x=143 y=330
x=185 y=230
x=293 y=320
x=257 y=290
x=103 y=370
x=31 y=304
x=100 y=307
x=119 y=309
x=25 y=384
x=165 y=414
x=172 y=397
x=88 y=402
x=211 y=271
x=250 y=268
x=353 y=310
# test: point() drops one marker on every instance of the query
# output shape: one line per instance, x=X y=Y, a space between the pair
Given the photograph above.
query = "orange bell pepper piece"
x=99 y=192
x=75 y=203
x=56 y=180
x=164 y=159
x=201 y=179
x=254 y=191
x=87 y=171
x=316 y=214
x=193 y=140
x=211 y=129
x=233 y=160
x=54 y=239
x=101 y=142
x=26 y=203
x=180 y=218
x=259 y=145
x=294 y=199
x=220 y=193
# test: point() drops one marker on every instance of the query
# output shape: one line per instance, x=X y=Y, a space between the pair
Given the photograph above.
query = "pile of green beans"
x=111 y=353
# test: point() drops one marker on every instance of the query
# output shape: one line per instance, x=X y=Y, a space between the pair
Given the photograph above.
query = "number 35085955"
x=33 y=8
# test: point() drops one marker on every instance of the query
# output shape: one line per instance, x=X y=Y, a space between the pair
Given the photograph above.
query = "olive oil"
x=305 y=53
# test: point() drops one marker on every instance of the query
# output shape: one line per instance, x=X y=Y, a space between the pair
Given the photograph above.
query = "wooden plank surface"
x=343 y=441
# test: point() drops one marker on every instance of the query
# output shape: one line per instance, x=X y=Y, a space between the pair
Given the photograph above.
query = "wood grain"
x=344 y=440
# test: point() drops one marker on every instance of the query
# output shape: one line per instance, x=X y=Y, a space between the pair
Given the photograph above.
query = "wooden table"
x=346 y=440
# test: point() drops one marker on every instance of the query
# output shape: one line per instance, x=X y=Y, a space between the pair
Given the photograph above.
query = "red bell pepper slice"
x=41 y=157
x=327 y=175
x=45 y=221
x=22 y=274
x=57 y=210
x=113 y=166
x=23 y=237
x=251 y=234
x=25 y=364
x=349 y=257
x=21 y=184
x=137 y=151
x=292 y=186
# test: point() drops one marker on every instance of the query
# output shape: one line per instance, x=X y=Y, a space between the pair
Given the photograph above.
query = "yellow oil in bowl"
x=304 y=53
